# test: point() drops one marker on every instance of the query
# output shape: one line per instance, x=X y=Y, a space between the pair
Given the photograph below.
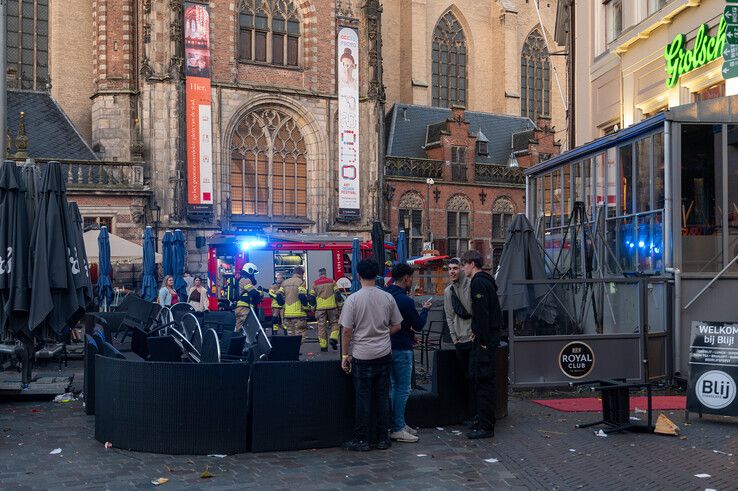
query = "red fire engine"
x=275 y=253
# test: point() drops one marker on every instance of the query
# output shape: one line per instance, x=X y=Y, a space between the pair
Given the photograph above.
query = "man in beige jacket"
x=457 y=307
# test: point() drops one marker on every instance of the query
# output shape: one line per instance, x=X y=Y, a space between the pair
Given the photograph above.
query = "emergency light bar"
x=252 y=243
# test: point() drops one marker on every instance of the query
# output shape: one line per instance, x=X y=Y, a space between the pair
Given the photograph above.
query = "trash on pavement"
x=68 y=397
x=600 y=433
x=55 y=451
x=664 y=426
x=702 y=476
x=439 y=428
x=722 y=453
x=206 y=474
x=491 y=461
x=218 y=455
x=572 y=449
x=422 y=455
x=640 y=411
x=108 y=445
x=159 y=481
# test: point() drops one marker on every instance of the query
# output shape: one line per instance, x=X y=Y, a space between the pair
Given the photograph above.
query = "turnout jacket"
x=486 y=319
x=295 y=297
x=324 y=290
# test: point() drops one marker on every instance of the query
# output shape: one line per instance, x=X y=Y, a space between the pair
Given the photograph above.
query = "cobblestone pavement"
x=537 y=448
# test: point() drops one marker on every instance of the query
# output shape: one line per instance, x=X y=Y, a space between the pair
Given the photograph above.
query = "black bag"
x=458 y=307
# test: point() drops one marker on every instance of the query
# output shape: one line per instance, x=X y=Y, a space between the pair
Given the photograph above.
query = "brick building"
x=454 y=177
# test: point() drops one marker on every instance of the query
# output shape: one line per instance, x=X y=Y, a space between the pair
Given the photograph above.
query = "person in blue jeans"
x=402 y=350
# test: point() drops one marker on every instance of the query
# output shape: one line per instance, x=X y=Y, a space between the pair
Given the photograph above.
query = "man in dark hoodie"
x=402 y=349
x=486 y=324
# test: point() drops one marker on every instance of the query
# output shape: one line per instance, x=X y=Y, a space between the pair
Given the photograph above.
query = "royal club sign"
x=198 y=112
x=576 y=360
x=679 y=60
x=713 y=368
x=348 y=124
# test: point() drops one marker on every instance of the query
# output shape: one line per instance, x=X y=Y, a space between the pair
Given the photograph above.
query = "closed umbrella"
x=178 y=249
x=53 y=293
x=31 y=185
x=522 y=259
x=14 y=239
x=82 y=281
x=104 y=286
x=355 y=258
x=402 y=247
x=378 y=248
x=167 y=259
x=148 y=286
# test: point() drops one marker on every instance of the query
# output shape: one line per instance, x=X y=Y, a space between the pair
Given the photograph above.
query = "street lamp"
x=406 y=228
x=430 y=182
x=155 y=210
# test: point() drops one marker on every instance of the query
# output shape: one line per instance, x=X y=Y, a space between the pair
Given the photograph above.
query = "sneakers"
x=479 y=433
x=334 y=344
x=411 y=430
x=403 y=436
x=383 y=445
x=356 y=446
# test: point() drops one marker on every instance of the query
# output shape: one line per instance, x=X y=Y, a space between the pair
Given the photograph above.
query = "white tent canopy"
x=121 y=250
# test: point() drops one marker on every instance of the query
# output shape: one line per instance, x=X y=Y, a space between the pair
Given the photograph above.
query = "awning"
x=121 y=250
x=425 y=260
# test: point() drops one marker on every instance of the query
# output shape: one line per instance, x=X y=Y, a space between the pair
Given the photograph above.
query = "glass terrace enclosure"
x=660 y=199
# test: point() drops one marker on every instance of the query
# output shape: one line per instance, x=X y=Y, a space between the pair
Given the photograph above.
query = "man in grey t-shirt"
x=368 y=318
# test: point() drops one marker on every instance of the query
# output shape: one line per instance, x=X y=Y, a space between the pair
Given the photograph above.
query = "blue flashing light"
x=252 y=243
x=641 y=244
x=631 y=245
x=656 y=250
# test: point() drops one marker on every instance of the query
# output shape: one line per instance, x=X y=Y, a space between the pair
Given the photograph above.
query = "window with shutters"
x=449 y=62
x=27 y=44
x=502 y=214
x=535 y=77
x=269 y=32
x=458 y=212
x=268 y=166
x=411 y=220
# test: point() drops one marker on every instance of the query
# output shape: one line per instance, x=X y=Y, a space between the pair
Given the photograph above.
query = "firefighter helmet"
x=250 y=268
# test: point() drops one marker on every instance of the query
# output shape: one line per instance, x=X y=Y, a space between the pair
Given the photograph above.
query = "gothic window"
x=411 y=220
x=268 y=166
x=502 y=214
x=535 y=77
x=28 y=44
x=458 y=211
x=449 y=62
x=269 y=31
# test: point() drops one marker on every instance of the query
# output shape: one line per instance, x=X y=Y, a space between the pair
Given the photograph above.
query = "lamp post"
x=155 y=218
x=406 y=224
x=430 y=182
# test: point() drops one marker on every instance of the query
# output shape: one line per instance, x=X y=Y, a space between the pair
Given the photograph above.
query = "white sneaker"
x=410 y=430
x=403 y=436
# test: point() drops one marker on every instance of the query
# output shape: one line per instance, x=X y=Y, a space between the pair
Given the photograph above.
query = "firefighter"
x=248 y=295
x=326 y=309
x=295 y=303
x=277 y=304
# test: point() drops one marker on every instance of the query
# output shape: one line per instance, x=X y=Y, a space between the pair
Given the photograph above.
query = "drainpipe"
x=668 y=251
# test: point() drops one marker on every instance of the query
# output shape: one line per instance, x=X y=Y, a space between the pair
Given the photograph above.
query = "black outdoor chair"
x=234 y=350
x=210 y=347
x=430 y=339
x=164 y=348
x=285 y=348
x=180 y=309
x=110 y=351
x=219 y=321
x=91 y=349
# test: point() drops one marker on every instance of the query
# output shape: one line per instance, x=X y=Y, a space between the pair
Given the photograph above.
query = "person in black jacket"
x=486 y=324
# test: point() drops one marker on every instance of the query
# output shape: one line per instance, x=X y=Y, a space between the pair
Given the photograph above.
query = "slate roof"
x=51 y=135
x=407 y=127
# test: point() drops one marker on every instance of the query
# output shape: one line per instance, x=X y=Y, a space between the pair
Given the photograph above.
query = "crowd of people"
x=377 y=349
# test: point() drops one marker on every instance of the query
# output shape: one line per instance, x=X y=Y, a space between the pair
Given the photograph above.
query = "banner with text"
x=348 y=124
x=197 y=95
x=713 y=368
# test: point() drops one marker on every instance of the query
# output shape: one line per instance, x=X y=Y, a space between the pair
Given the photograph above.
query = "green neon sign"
x=706 y=48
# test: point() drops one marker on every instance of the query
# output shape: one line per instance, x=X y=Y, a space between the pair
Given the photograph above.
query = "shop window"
x=658 y=171
x=732 y=208
x=702 y=198
x=535 y=77
x=268 y=166
x=643 y=175
x=27 y=45
x=449 y=62
x=269 y=30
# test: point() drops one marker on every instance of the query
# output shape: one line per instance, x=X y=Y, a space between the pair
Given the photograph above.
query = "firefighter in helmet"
x=248 y=294
x=326 y=296
x=295 y=303
x=277 y=297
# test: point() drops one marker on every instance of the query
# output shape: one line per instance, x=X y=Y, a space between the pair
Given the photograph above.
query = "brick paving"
x=537 y=448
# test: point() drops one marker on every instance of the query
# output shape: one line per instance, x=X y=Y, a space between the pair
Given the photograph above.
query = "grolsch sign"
x=713 y=368
x=576 y=360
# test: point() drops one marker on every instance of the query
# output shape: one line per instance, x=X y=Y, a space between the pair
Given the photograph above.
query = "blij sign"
x=713 y=368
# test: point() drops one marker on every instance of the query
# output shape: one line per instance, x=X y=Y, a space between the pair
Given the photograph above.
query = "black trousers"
x=463 y=354
x=371 y=387
x=483 y=374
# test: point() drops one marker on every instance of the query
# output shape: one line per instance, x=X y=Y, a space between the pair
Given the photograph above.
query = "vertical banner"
x=197 y=95
x=713 y=368
x=348 y=124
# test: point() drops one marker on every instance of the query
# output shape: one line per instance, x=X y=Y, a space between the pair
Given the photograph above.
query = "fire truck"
x=277 y=253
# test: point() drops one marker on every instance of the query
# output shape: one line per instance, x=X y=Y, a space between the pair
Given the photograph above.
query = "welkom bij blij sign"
x=706 y=48
x=713 y=368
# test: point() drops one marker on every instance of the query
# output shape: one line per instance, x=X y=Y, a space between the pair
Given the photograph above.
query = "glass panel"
x=246 y=20
x=578 y=195
x=732 y=193
x=547 y=200
x=260 y=44
x=556 y=199
x=451 y=225
x=293 y=27
x=464 y=225
x=262 y=22
x=278 y=24
x=702 y=198
x=626 y=179
x=658 y=171
x=599 y=172
x=292 y=51
x=588 y=186
x=612 y=181
x=539 y=199
x=244 y=44
x=567 y=193
x=643 y=175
